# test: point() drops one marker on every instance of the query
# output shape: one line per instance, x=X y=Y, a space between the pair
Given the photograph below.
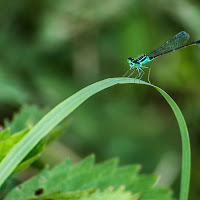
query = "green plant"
x=43 y=127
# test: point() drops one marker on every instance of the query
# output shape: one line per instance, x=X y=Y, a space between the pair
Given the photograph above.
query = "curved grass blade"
x=61 y=111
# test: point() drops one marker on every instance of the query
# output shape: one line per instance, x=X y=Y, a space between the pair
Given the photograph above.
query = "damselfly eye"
x=131 y=59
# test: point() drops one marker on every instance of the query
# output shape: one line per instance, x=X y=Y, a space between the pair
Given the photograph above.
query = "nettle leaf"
x=7 y=141
x=16 y=129
x=27 y=117
x=90 y=181
x=58 y=195
x=108 y=194
x=4 y=134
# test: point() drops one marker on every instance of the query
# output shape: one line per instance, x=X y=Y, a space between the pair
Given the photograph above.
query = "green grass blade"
x=55 y=116
x=186 y=149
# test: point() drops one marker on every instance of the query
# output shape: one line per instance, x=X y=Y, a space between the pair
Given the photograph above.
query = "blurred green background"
x=51 y=49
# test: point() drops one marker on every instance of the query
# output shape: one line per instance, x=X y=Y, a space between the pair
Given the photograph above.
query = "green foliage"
x=26 y=118
x=7 y=141
x=16 y=129
x=55 y=116
x=50 y=49
x=59 y=195
x=108 y=194
x=32 y=156
x=67 y=179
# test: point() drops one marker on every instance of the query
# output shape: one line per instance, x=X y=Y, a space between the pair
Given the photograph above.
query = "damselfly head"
x=130 y=60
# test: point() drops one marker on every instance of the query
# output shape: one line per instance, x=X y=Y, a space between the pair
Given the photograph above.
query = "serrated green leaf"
x=26 y=118
x=146 y=185
x=110 y=194
x=62 y=196
x=9 y=141
x=4 y=134
x=86 y=175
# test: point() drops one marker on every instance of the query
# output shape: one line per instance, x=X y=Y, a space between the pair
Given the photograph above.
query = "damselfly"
x=175 y=43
